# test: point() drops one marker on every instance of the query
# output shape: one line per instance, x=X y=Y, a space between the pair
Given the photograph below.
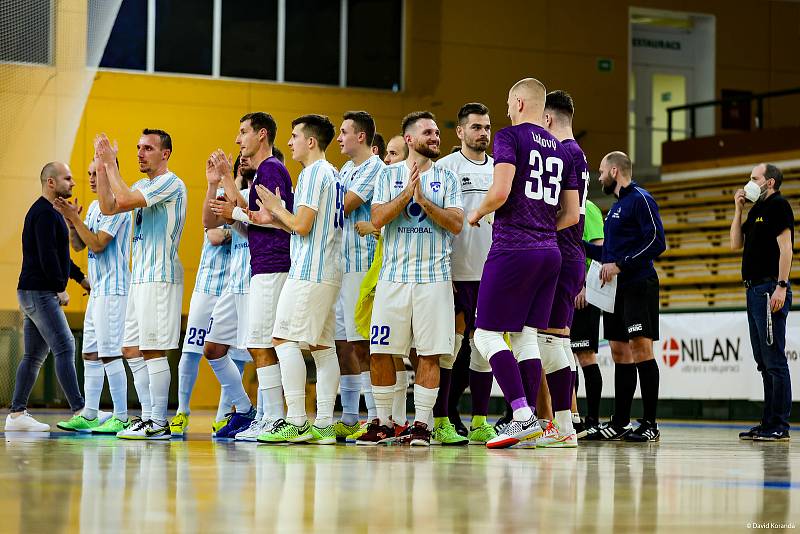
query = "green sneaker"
x=79 y=423
x=180 y=424
x=481 y=434
x=112 y=426
x=216 y=426
x=352 y=438
x=323 y=436
x=342 y=430
x=444 y=433
x=286 y=432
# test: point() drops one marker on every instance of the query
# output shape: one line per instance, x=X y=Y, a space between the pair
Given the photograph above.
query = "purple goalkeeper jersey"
x=527 y=220
x=570 y=239
x=269 y=247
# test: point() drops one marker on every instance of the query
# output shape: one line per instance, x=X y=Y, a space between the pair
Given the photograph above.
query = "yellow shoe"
x=358 y=433
x=179 y=424
x=216 y=426
x=343 y=431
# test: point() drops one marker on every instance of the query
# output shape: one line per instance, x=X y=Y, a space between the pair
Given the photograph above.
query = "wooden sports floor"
x=699 y=478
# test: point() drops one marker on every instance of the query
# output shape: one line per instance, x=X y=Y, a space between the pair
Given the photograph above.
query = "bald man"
x=533 y=176
x=41 y=292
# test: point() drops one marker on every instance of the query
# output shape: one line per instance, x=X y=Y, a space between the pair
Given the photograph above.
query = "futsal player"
x=396 y=150
x=533 y=177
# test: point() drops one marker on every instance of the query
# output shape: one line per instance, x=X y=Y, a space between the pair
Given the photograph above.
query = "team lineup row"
x=362 y=266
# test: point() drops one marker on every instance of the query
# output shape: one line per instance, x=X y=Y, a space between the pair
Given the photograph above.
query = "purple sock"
x=506 y=371
x=440 y=408
x=531 y=372
x=480 y=384
x=560 y=384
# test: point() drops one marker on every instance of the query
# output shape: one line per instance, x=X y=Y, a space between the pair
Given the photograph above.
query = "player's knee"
x=446 y=361
x=525 y=344
x=489 y=343
x=553 y=356
x=287 y=350
x=478 y=363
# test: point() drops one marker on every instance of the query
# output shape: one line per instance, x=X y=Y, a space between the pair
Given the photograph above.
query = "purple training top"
x=269 y=247
x=527 y=220
x=570 y=240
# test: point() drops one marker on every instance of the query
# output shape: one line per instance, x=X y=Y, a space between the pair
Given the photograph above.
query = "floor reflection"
x=699 y=477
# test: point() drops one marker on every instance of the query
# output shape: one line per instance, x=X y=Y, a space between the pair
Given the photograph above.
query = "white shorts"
x=153 y=316
x=351 y=288
x=228 y=324
x=406 y=312
x=306 y=312
x=101 y=331
x=265 y=289
x=341 y=332
x=200 y=309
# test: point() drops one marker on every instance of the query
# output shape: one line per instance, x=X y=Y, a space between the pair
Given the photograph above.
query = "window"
x=26 y=31
x=374 y=43
x=127 y=45
x=249 y=39
x=312 y=41
x=184 y=36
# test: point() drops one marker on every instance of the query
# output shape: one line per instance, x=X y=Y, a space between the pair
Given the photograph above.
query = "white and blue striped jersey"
x=212 y=274
x=108 y=270
x=317 y=256
x=157 y=230
x=239 y=277
x=358 y=251
x=415 y=249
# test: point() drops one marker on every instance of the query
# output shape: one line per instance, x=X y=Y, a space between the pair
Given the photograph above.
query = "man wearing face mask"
x=633 y=237
x=767 y=239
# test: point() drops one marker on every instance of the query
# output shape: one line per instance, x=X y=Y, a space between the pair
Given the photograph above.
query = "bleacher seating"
x=698 y=269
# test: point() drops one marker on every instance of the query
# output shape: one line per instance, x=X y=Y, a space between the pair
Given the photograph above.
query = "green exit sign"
x=605 y=65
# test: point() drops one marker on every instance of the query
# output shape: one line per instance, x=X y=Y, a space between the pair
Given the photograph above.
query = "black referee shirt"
x=766 y=220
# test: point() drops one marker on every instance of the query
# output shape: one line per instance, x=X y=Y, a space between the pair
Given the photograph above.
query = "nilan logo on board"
x=694 y=357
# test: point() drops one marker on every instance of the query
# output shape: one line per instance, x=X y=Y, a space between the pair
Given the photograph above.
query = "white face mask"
x=752 y=191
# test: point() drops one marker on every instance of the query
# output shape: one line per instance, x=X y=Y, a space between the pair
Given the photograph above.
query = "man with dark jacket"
x=633 y=238
x=41 y=291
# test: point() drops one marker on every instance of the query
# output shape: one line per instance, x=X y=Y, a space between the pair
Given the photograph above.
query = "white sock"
x=188 y=368
x=523 y=414
x=141 y=381
x=293 y=377
x=224 y=406
x=231 y=381
x=118 y=386
x=259 y=404
x=93 y=377
x=383 y=403
x=350 y=389
x=269 y=382
x=158 y=369
x=369 y=400
x=564 y=421
x=424 y=399
x=399 y=397
x=327 y=385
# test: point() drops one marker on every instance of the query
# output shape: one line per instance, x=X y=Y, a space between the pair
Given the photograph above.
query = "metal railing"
x=758 y=97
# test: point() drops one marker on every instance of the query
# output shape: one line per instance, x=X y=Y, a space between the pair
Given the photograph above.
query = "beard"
x=479 y=145
x=64 y=193
x=429 y=151
x=609 y=189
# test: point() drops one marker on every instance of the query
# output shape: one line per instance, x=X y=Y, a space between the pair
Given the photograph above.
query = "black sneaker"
x=771 y=435
x=607 y=432
x=501 y=423
x=587 y=425
x=645 y=432
x=750 y=434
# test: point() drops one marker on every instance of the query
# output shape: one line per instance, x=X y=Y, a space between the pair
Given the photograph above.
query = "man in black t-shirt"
x=767 y=236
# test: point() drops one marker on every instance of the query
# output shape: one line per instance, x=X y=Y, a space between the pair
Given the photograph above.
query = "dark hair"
x=319 y=127
x=262 y=121
x=378 y=141
x=362 y=122
x=412 y=118
x=166 y=140
x=560 y=102
x=771 y=172
x=621 y=161
x=471 y=108
x=277 y=153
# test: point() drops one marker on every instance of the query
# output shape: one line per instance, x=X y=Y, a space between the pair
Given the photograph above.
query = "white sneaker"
x=256 y=428
x=515 y=432
x=554 y=438
x=146 y=430
x=25 y=423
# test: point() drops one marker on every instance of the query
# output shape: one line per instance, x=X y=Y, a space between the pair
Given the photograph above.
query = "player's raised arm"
x=124 y=199
x=498 y=192
x=451 y=216
x=383 y=212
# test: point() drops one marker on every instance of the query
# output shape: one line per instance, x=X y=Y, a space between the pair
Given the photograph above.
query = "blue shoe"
x=238 y=422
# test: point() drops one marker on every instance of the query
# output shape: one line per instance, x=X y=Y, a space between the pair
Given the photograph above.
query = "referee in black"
x=767 y=236
x=633 y=236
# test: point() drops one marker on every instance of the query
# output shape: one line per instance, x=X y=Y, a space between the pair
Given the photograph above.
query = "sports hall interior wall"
x=454 y=52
